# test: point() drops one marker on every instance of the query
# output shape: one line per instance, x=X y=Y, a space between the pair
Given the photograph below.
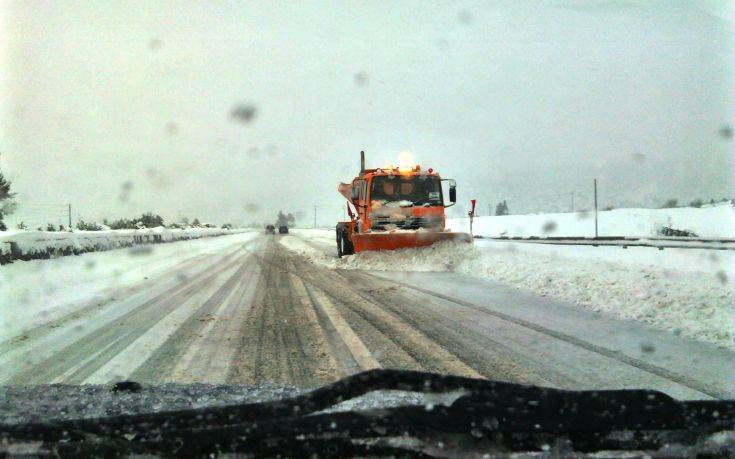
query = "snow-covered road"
x=253 y=308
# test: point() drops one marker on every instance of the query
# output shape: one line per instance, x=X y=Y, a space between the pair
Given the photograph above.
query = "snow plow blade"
x=403 y=240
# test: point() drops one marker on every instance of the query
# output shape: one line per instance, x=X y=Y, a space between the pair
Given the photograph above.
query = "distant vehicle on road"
x=283 y=229
x=270 y=229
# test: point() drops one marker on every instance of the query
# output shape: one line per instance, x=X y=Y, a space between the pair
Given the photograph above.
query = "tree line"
x=671 y=203
x=147 y=220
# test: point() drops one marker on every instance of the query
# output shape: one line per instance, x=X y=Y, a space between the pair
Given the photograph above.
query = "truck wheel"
x=347 y=247
x=339 y=241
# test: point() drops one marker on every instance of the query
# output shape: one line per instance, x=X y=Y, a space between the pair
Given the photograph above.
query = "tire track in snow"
x=327 y=369
x=283 y=341
x=168 y=280
x=431 y=355
x=209 y=354
x=136 y=321
x=490 y=357
x=287 y=347
x=305 y=352
x=354 y=344
x=186 y=337
x=343 y=344
x=619 y=356
x=658 y=376
x=258 y=358
x=150 y=330
x=43 y=342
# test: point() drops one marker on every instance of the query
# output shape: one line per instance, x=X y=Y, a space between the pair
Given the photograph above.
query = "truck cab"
x=393 y=200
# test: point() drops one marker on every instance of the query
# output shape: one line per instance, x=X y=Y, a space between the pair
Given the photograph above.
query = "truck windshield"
x=407 y=191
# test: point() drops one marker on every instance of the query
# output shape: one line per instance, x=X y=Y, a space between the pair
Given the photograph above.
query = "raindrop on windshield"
x=244 y=113
x=172 y=128
x=253 y=152
x=140 y=250
x=639 y=157
x=361 y=79
x=125 y=190
x=549 y=227
x=157 y=178
x=465 y=17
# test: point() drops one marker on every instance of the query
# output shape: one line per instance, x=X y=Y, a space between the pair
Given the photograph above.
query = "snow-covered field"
x=708 y=222
x=38 y=291
x=684 y=291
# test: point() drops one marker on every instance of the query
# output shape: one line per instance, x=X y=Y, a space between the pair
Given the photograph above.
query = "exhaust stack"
x=362 y=162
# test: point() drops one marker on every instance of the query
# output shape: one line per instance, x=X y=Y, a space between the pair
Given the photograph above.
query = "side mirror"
x=452 y=192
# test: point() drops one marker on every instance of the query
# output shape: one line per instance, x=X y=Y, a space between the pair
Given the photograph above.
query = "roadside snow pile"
x=323 y=236
x=696 y=304
x=26 y=245
x=445 y=256
x=707 y=222
x=308 y=251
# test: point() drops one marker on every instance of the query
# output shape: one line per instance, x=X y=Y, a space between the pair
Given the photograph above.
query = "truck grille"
x=410 y=223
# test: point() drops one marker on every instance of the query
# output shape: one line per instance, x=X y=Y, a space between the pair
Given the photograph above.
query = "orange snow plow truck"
x=395 y=208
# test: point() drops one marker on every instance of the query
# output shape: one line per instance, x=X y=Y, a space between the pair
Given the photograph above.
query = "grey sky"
x=526 y=101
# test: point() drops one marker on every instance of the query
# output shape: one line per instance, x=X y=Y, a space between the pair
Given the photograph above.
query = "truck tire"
x=347 y=247
x=339 y=231
x=344 y=245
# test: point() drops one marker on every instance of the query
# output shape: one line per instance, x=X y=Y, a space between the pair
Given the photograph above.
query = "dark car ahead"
x=283 y=229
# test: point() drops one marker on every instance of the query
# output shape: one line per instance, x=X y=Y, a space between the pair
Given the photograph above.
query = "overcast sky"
x=121 y=107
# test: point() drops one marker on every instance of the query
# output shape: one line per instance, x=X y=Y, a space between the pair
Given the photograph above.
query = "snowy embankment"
x=707 y=222
x=683 y=291
x=38 y=291
x=27 y=245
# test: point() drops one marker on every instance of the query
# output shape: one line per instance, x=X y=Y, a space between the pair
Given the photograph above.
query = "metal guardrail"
x=626 y=241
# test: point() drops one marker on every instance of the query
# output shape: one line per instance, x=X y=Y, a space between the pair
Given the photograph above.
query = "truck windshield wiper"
x=511 y=417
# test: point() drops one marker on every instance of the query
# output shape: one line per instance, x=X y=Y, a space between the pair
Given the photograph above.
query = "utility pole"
x=595 y=185
x=69 y=210
x=314 y=216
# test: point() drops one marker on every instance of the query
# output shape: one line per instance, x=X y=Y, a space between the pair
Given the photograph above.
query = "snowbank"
x=697 y=304
x=312 y=253
x=27 y=245
x=712 y=222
